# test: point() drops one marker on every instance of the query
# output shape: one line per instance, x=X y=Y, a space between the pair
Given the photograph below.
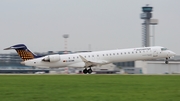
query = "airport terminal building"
x=151 y=66
x=159 y=67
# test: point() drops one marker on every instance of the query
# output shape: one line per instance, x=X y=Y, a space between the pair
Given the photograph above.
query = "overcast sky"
x=101 y=24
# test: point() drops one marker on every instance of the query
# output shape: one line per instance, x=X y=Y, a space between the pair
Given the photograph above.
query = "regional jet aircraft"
x=89 y=59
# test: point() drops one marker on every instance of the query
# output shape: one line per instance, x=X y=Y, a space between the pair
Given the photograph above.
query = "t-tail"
x=23 y=52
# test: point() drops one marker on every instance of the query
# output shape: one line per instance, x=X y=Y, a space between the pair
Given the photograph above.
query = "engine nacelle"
x=51 y=58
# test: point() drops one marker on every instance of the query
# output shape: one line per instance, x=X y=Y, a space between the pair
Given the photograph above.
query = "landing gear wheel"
x=85 y=71
x=166 y=61
x=90 y=71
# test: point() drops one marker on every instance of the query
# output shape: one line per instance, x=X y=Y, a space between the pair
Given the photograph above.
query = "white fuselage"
x=103 y=57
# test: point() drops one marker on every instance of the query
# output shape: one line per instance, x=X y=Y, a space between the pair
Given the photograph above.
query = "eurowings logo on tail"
x=23 y=52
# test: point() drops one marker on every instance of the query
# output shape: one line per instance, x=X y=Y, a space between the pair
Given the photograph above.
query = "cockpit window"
x=163 y=49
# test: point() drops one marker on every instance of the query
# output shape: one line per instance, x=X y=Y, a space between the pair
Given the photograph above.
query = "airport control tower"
x=147 y=15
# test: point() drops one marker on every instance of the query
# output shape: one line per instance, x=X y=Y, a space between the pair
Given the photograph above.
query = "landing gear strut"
x=166 y=61
x=85 y=71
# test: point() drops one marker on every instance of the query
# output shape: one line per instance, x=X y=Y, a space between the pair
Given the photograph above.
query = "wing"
x=91 y=63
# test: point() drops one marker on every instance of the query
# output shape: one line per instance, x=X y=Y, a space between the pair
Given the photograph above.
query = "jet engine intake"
x=51 y=58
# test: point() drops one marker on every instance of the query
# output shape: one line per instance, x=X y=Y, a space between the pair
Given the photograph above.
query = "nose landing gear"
x=166 y=62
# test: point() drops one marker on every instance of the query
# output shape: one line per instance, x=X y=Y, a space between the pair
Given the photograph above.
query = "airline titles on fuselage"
x=141 y=49
x=144 y=49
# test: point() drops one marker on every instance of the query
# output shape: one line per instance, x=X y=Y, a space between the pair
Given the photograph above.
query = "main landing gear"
x=85 y=71
x=166 y=62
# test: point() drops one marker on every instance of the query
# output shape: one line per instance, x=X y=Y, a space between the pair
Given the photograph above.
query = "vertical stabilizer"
x=23 y=52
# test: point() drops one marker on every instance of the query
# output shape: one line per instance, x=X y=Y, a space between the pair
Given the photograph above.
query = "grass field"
x=89 y=87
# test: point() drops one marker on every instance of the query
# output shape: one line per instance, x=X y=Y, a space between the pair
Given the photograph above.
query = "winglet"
x=87 y=63
x=84 y=60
